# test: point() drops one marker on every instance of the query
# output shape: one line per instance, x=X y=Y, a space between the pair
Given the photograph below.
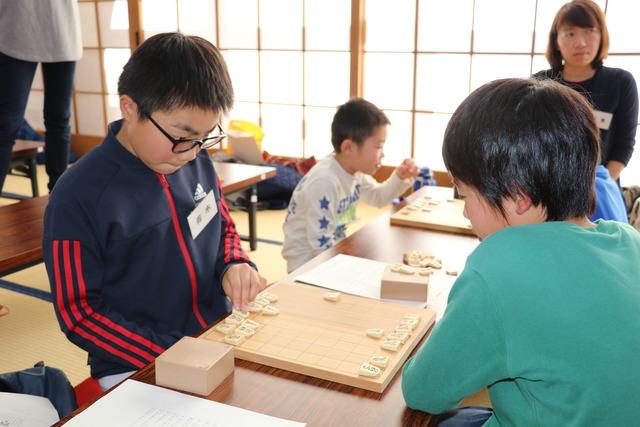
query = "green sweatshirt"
x=547 y=316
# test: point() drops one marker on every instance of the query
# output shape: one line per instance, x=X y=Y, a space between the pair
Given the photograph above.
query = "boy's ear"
x=522 y=203
x=128 y=108
x=521 y=210
x=347 y=146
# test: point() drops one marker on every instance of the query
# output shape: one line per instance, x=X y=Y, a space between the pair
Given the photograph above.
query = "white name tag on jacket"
x=603 y=119
x=202 y=214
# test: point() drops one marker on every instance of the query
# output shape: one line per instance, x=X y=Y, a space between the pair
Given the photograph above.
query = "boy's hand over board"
x=242 y=283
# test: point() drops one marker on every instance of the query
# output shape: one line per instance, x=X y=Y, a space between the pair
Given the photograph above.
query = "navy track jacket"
x=127 y=278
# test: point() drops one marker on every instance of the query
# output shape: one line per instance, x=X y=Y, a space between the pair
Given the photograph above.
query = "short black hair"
x=172 y=70
x=357 y=119
x=526 y=136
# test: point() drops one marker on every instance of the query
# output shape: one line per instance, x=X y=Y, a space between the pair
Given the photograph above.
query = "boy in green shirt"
x=547 y=310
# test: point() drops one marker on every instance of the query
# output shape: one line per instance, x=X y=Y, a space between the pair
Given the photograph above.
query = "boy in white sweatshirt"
x=324 y=201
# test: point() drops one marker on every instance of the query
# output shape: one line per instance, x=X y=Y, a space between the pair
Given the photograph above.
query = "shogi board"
x=328 y=340
x=438 y=210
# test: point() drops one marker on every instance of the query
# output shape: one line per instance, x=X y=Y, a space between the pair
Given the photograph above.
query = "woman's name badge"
x=202 y=214
x=603 y=119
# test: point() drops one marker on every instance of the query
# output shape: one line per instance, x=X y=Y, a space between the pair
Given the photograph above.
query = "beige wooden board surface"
x=328 y=340
x=438 y=210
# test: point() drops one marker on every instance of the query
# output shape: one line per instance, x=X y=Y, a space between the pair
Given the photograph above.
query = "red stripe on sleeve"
x=59 y=295
x=228 y=248
x=68 y=275
x=82 y=293
x=232 y=248
x=67 y=320
x=122 y=343
x=110 y=349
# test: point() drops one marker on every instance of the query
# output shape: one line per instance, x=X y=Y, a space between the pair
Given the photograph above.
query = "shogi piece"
x=402 y=286
x=194 y=365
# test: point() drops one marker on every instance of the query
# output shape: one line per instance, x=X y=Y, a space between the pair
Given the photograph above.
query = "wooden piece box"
x=194 y=365
x=399 y=286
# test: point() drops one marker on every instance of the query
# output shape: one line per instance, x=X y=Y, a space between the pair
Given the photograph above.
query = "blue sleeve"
x=609 y=201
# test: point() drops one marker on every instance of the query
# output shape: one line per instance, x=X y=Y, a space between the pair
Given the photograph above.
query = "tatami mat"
x=33 y=277
x=22 y=185
x=30 y=333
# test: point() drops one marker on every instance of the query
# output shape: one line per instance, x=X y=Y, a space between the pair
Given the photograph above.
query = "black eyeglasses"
x=182 y=145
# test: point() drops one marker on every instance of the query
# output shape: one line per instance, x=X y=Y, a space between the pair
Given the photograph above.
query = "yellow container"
x=247 y=128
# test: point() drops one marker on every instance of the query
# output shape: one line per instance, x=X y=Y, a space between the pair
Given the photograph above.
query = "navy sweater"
x=611 y=90
x=127 y=278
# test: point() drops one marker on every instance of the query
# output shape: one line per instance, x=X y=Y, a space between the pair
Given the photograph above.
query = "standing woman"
x=32 y=32
x=578 y=43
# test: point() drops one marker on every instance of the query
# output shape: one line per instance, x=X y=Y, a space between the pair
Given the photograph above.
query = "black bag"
x=275 y=193
x=43 y=381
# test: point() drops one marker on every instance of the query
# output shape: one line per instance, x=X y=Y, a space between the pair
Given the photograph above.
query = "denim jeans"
x=16 y=77
x=470 y=416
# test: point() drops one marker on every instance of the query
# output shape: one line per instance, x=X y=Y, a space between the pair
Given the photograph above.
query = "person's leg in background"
x=16 y=77
x=110 y=380
x=470 y=416
x=58 y=86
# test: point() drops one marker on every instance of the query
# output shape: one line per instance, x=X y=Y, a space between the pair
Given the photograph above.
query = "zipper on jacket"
x=183 y=249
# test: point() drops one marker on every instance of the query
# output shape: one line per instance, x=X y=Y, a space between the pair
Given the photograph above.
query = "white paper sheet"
x=136 y=404
x=349 y=274
x=361 y=276
x=439 y=287
x=25 y=410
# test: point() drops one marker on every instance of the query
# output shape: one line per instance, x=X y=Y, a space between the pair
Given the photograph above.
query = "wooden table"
x=21 y=224
x=23 y=160
x=240 y=177
x=323 y=403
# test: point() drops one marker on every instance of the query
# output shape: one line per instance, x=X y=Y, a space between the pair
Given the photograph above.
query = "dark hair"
x=357 y=119
x=171 y=70
x=578 y=13
x=526 y=136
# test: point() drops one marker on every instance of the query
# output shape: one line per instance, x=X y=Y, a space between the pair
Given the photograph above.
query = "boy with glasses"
x=139 y=245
